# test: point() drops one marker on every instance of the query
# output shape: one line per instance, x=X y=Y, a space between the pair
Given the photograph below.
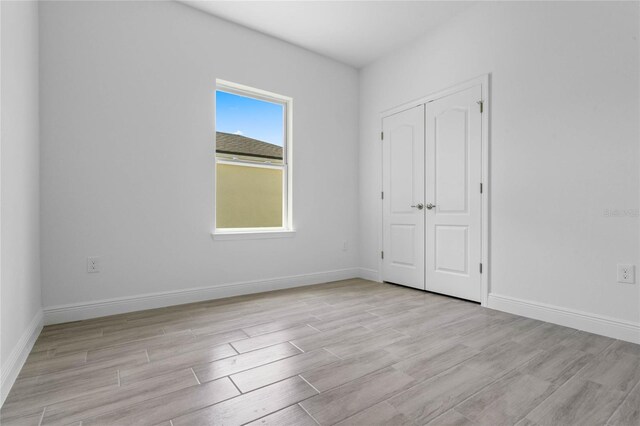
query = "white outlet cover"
x=626 y=273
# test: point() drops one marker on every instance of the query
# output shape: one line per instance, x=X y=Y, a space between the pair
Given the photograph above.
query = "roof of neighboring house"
x=228 y=143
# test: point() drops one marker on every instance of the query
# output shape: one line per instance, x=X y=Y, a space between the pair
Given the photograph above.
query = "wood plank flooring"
x=349 y=352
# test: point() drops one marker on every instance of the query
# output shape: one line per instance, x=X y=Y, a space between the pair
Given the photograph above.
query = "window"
x=253 y=167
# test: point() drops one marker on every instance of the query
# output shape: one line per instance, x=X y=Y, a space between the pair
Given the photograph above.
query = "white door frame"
x=484 y=82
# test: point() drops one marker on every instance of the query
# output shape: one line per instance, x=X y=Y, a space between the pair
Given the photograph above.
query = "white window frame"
x=287 y=229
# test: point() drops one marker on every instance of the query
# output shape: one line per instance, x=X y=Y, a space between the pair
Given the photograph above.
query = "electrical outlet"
x=93 y=264
x=626 y=273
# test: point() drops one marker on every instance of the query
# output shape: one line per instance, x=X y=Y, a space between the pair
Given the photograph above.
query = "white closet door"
x=454 y=223
x=403 y=188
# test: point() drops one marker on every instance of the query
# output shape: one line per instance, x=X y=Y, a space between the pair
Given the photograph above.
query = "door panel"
x=453 y=226
x=401 y=165
x=403 y=187
x=402 y=253
x=452 y=161
x=452 y=249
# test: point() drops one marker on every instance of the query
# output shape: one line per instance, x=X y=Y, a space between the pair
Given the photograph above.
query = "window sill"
x=253 y=234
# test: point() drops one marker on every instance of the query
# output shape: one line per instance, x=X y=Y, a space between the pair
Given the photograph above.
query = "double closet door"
x=432 y=195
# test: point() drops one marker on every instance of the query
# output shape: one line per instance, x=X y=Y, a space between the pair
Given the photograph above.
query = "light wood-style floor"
x=349 y=352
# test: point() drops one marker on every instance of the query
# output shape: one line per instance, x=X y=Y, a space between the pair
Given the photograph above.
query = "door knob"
x=418 y=206
x=430 y=206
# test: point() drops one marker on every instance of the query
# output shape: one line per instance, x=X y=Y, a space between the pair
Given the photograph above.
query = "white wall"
x=127 y=91
x=565 y=138
x=20 y=304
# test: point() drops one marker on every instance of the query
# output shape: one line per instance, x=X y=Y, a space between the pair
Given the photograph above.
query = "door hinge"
x=481 y=268
x=381 y=136
x=481 y=103
x=481 y=188
x=382 y=255
x=382 y=195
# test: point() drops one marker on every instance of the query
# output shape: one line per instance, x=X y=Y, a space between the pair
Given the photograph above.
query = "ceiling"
x=353 y=32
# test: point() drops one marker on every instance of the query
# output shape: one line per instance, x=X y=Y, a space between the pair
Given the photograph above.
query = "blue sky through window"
x=249 y=117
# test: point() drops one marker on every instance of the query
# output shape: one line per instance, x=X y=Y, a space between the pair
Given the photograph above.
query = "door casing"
x=484 y=82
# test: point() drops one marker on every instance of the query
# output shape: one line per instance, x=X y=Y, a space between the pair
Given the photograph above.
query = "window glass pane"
x=248 y=197
x=249 y=130
x=249 y=126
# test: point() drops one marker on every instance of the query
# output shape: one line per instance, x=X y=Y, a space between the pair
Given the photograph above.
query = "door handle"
x=418 y=206
x=430 y=206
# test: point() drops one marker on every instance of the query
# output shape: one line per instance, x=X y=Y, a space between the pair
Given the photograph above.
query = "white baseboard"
x=18 y=356
x=369 y=274
x=100 y=308
x=593 y=323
